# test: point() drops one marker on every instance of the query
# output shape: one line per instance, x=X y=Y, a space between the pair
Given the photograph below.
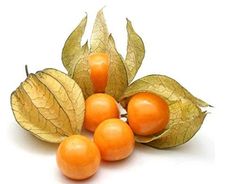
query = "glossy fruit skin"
x=114 y=139
x=147 y=113
x=99 y=107
x=99 y=66
x=78 y=157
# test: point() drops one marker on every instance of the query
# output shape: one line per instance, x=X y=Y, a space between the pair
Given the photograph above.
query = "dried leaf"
x=74 y=58
x=179 y=133
x=79 y=70
x=81 y=73
x=186 y=117
x=135 y=52
x=99 y=37
x=117 y=77
x=72 y=47
x=185 y=121
x=49 y=104
x=165 y=86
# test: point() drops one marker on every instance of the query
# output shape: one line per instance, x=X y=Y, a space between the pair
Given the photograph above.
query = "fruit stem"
x=26 y=70
x=124 y=115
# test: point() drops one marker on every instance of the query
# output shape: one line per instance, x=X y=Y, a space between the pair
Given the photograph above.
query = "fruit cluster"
x=79 y=158
x=55 y=106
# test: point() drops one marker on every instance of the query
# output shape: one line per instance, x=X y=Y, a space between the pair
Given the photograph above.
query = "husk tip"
x=128 y=21
x=101 y=10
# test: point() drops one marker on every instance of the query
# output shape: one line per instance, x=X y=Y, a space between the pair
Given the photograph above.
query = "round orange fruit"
x=78 y=157
x=99 y=66
x=99 y=107
x=147 y=113
x=114 y=139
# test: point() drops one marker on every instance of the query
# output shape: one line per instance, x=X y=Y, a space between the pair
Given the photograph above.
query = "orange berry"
x=78 y=157
x=99 y=107
x=99 y=65
x=114 y=139
x=147 y=113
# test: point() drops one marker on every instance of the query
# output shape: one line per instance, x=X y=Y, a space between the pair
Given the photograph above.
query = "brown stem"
x=26 y=70
x=124 y=115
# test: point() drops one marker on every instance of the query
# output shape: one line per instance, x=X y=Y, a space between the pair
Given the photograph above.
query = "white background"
x=191 y=41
